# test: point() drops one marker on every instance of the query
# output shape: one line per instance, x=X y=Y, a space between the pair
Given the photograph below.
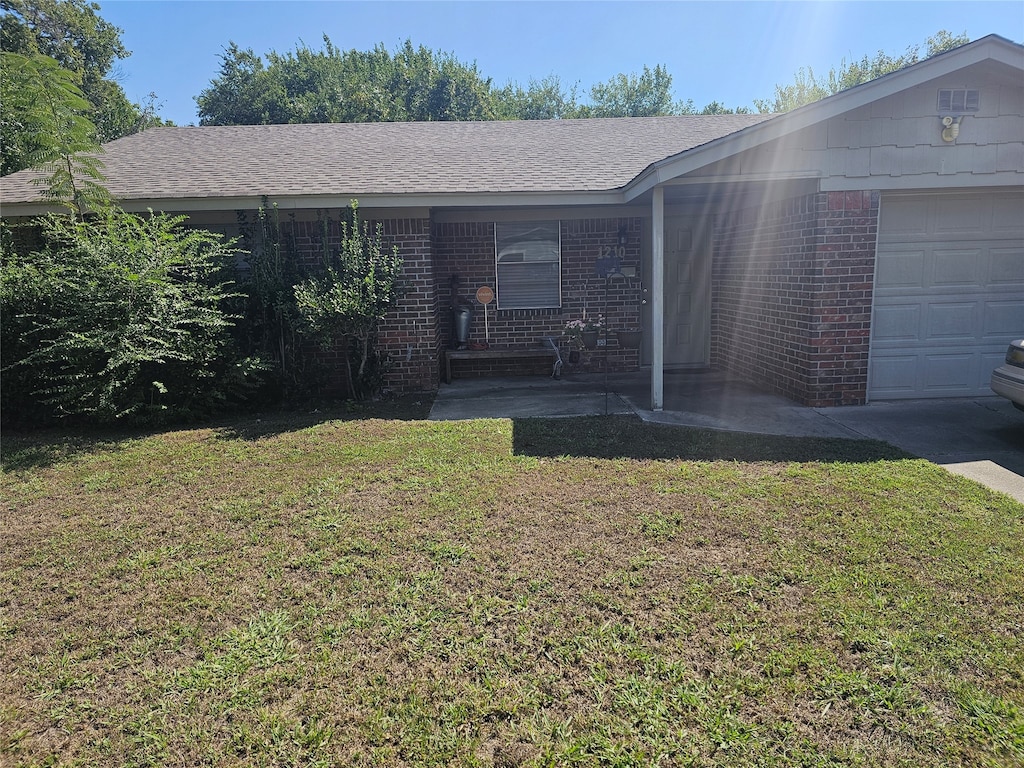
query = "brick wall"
x=467 y=250
x=792 y=288
x=409 y=336
x=416 y=333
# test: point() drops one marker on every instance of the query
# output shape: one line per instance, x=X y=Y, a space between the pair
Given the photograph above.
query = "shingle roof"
x=392 y=158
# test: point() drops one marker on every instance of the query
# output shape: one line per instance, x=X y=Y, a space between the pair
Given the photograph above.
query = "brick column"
x=840 y=319
x=410 y=335
x=791 y=295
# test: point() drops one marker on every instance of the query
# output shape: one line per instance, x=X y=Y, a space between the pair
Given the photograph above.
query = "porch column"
x=658 y=299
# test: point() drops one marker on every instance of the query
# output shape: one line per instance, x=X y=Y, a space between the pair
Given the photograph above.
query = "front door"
x=687 y=294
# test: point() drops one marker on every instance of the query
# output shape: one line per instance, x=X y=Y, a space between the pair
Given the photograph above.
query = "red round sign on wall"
x=484 y=294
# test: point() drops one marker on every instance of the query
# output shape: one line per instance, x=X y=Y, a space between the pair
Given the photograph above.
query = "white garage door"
x=949 y=292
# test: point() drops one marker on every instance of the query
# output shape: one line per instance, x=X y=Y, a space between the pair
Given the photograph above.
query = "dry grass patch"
x=592 y=591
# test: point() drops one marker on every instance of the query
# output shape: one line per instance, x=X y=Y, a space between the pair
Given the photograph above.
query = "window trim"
x=555 y=225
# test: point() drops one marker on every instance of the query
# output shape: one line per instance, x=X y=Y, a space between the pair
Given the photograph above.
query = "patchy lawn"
x=382 y=592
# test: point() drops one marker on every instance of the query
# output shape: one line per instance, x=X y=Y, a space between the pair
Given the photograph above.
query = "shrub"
x=270 y=325
x=121 y=318
x=346 y=301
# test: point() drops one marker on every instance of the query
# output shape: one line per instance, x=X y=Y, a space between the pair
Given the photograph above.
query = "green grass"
x=345 y=589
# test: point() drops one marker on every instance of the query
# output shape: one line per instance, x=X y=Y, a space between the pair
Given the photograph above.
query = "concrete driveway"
x=981 y=438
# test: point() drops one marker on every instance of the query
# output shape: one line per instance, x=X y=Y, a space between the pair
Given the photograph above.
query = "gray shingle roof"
x=392 y=158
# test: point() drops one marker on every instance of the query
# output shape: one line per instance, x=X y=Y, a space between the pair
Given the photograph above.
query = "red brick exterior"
x=792 y=286
x=467 y=250
x=414 y=336
x=409 y=336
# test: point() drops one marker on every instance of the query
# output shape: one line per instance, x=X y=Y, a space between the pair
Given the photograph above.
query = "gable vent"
x=957 y=101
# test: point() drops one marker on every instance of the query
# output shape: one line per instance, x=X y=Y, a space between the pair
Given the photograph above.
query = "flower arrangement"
x=574 y=329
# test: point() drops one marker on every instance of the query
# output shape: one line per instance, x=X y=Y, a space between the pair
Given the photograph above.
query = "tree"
x=646 y=95
x=807 y=87
x=546 y=99
x=243 y=93
x=70 y=33
x=53 y=131
x=413 y=83
x=432 y=85
x=621 y=96
x=335 y=86
x=717 y=108
x=357 y=287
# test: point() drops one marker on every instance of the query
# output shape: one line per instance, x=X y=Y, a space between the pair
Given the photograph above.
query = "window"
x=529 y=265
x=957 y=101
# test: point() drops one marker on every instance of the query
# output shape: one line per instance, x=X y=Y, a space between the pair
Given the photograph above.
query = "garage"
x=949 y=292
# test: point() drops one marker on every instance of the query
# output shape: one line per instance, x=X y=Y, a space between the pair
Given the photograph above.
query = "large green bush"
x=120 y=318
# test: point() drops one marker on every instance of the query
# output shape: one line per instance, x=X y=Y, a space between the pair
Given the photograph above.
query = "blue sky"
x=730 y=51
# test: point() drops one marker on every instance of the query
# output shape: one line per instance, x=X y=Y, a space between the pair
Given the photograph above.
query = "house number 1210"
x=612 y=252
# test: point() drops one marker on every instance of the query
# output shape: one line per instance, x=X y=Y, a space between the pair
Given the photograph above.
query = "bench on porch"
x=549 y=350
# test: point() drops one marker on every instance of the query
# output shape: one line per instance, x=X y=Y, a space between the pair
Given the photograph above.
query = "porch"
x=709 y=399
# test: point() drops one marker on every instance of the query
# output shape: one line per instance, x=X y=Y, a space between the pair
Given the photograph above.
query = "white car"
x=1008 y=380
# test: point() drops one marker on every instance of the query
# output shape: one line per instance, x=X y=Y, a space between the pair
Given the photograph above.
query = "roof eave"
x=990 y=48
x=366 y=201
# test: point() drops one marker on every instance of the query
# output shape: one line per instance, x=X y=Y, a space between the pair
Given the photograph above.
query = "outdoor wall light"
x=950 y=128
x=623 y=236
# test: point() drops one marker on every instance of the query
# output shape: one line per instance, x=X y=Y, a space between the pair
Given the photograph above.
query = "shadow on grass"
x=412 y=407
x=46 y=447
x=41 y=448
x=607 y=437
x=627 y=437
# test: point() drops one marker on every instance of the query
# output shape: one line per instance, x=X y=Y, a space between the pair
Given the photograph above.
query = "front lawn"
x=384 y=592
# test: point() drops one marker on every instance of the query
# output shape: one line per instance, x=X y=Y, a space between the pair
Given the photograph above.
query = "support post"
x=658 y=299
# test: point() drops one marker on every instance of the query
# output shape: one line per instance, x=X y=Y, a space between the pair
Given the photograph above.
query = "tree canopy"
x=416 y=83
x=546 y=99
x=71 y=34
x=413 y=83
x=648 y=94
x=55 y=134
x=808 y=87
x=336 y=86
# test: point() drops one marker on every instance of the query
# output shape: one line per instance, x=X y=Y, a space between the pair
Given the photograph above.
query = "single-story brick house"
x=867 y=246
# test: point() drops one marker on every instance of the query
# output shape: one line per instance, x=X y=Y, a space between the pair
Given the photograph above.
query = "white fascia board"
x=950 y=182
x=454 y=200
x=539 y=213
x=295 y=202
x=987 y=49
x=714 y=181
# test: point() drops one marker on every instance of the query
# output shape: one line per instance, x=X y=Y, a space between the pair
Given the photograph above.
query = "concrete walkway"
x=980 y=438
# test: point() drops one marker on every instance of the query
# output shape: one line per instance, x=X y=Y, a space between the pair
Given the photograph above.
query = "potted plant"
x=583 y=333
x=629 y=338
